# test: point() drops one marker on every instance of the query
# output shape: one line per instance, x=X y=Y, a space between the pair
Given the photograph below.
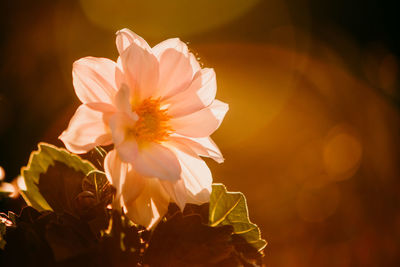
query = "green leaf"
x=39 y=162
x=230 y=208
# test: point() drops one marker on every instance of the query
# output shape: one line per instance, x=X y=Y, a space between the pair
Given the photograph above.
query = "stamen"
x=152 y=125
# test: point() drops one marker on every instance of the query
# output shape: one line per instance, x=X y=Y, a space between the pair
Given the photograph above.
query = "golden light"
x=158 y=18
x=316 y=204
x=2 y=174
x=342 y=153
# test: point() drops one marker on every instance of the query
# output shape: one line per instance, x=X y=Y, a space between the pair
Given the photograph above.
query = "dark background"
x=313 y=88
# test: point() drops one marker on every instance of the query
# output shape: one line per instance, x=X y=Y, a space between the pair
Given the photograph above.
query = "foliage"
x=39 y=163
x=69 y=223
x=230 y=208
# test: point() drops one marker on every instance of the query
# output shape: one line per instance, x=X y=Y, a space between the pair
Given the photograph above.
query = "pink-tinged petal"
x=176 y=71
x=203 y=146
x=86 y=130
x=177 y=191
x=127 y=182
x=119 y=122
x=151 y=204
x=122 y=102
x=94 y=79
x=200 y=94
x=196 y=178
x=126 y=145
x=201 y=123
x=132 y=187
x=127 y=150
x=141 y=72
x=126 y=37
x=115 y=170
x=102 y=107
x=194 y=63
x=155 y=160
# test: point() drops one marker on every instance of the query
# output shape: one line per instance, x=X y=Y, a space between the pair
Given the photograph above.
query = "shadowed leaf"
x=39 y=163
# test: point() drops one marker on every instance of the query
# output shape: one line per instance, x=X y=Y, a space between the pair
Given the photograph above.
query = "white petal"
x=122 y=176
x=177 y=191
x=141 y=72
x=126 y=37
x=196 y=182
x=155 y=160
x=125 y=145
x=200 y=94
x=122 y=102
x=133 y=186
x=195 y=64
x=150 y=206
x=203 y=146
x=201 y=123
x=94 y=79
x=176 y=71
x=115 y=170
x=86 y=130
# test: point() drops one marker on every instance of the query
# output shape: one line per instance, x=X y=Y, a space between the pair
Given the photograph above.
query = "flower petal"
x=86 y=130
x=133 y=186
x=177 y=191
x=141 y=72
x=126 y=37
x=199 y=95
x=176 y=71
x=194 y=62
x=122 y=176
x=203 y=146
x=94 y=79
x=196 y=179
x=122 y=103
x=150 y=206
x=125 y=145
x=155 y=160
x=201 y=123
x=115 y=170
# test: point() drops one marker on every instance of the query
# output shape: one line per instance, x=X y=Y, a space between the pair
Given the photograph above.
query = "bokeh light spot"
x=342 y=154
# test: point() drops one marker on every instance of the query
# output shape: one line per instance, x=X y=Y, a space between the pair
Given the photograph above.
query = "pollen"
x=152 y=125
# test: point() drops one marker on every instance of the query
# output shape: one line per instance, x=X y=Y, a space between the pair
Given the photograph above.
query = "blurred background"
x=312 y=135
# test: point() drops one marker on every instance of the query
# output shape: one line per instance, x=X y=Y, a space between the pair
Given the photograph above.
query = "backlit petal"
x=141 y=72
x=155 y=160
x=176 y=71
x=150 y=205
x=196 y=179
x=199 y=95
x=201 y=123
x=133 y=186
x=115 y=170
x=94 y=79
x=125 y=145
x=126 y=37
x=86 y=130
x=203 y=146
x=122 y=102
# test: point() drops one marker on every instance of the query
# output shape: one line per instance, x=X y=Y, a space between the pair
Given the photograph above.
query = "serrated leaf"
x=230 y=208
x=39 y=162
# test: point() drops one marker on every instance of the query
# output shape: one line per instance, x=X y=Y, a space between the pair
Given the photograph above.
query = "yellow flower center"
x=152 y=125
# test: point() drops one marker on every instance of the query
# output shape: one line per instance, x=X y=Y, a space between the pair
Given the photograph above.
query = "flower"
x=157 y=106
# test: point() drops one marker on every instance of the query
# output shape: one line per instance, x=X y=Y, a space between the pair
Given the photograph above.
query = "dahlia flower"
x=157 y=106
